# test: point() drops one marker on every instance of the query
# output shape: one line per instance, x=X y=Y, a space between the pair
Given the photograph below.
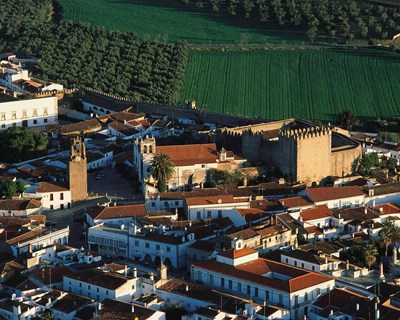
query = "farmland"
x=165 y=20
x=309 y=84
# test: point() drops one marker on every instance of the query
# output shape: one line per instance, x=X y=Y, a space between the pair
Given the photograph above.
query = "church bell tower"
x=78 y=170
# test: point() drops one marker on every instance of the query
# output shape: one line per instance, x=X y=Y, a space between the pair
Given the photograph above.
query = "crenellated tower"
x=305 y=153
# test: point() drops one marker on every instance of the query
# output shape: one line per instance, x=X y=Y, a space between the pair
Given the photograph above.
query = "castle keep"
x=303 y=150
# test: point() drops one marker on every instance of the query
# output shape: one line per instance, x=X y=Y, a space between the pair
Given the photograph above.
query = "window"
x=3 y=125
x=34 y=121
x=107 y=292
x=295 y=263
x=287 y=260
x=267 y=295
x=14 y=115
x=306 y=296
x=158 y=247
x=51 y=207
x=147 y=245
x=168 y=249
x=219 y=213
x=137 y=243
x=211 y=279
x=51 y=197
x=45 y=120
x=133 y=287
x=3 y=116
x=256 y=292
x=88 y=287
x=313 y=268
x=176 y=203
x=239 y=287
x=302 y=265
x=248 y=289
x=198 y=215
x=203 y=165
x=80 y=284
x=61 y=196
x=45 y=112
x=24 y=115
x=230 y=284
x=209 y=214
x=222 y=282
x=97 y=290
x=166 y=203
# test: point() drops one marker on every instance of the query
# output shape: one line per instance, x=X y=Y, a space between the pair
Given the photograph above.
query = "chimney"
x=135 y=273
x=347 y=265
x=357 y=307
x=365 y=210
x=377 y=312
x=394 y=255
x=187 y=288
x=133 y=308
x=381 y=270
x=373 y=203
x=151 y=276
x=99 y=306
x=126 y=271
x=49 y=301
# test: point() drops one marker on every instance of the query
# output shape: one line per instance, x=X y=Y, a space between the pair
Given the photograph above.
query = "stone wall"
x=344 y=162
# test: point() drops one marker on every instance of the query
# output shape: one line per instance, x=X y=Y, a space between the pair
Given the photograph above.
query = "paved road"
x=64 y=217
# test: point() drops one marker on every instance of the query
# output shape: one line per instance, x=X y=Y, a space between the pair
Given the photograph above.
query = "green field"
x=309 y=84
x=164 y=20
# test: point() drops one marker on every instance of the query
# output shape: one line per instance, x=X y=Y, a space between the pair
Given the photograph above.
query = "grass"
x=309 y=84
x=165 y=20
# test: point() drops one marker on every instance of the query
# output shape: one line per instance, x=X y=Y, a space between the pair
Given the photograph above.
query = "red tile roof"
x=319 y=212
x=26 y=236
x=269 y=231
x=296 y=202
x=386 y=208
x=52 y=187
x=332 y=193
x=235 y=254
x=255 y=270
x=186 y=155
x=24 y=204
x=223 y=199
x=113 y=212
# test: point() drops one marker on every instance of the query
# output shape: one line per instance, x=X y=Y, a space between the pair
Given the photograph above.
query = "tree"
x=368 y=161
x=386 y=233
x=347 y=119
x=8 y=188
x=162 y=168
x=21 y=185
x=370 y=252
x=47 y=315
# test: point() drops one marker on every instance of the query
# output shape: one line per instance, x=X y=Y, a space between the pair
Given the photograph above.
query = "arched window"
x=145 y=149
x=150 y=149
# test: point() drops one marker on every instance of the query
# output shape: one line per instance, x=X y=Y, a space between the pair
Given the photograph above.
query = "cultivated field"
x=309 y=84
x=165 y=20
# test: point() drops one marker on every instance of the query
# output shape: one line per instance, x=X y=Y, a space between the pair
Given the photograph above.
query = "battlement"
x=306 y=133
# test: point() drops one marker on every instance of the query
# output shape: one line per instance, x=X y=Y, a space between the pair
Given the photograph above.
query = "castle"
x=302 y=150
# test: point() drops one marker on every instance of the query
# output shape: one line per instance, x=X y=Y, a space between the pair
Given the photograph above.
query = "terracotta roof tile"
x=319 y=212
x=26 y=236
x=51 y=187
x=11 y=204
x=332 y=193
x=254 y=271
x=235 y=254
x=102 y=279
x=114 y=212
x=186 y=155
x=223 y=199
x=118 y=310
x=296 y=202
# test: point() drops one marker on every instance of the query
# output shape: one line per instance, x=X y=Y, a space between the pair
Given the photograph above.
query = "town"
x=116 y=209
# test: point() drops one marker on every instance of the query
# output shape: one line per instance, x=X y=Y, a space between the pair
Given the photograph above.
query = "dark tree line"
x=79 y=55
x=334 y=18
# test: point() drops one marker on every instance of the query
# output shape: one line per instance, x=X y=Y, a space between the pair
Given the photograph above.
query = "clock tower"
x=78 y=170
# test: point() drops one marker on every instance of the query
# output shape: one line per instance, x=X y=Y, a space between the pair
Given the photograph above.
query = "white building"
x=192 y=162
x=29 y=113
x=242 y=273
x=16 y=310
x=20 y=207
x=213 y=207
x=53 y=195
x=37 y=239
x=101 y=285
x=336 y=197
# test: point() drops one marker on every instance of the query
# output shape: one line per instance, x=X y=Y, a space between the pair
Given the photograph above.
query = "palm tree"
x=387 y=233
x=370 y=252
x=162 y=168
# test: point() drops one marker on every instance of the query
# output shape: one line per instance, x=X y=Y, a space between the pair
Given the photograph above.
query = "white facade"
x=297 y=301
x=16 y=313
x=37 y=242
x=214 y=210
x=125 y=292
x=29 y=113
x=51 y=200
